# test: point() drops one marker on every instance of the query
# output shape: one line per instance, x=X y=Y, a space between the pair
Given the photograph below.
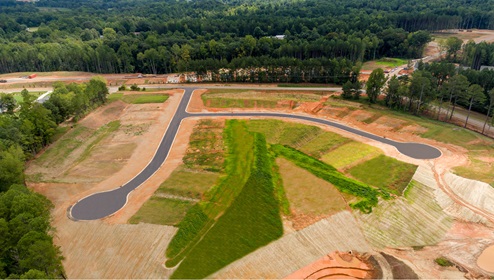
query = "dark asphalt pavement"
x=100 y=205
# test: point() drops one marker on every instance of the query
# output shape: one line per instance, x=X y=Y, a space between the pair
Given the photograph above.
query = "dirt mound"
x=337 y=265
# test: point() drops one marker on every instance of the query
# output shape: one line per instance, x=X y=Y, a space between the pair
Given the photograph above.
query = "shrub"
x=442 y=261
x=134 y=87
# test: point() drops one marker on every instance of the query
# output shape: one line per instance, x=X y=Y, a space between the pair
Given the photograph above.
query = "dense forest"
x=323 y=38
x=26 y=237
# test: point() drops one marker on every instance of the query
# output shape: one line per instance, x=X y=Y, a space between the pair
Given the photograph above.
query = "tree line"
x=435 y=89
x=26 y=237
x=176 y=36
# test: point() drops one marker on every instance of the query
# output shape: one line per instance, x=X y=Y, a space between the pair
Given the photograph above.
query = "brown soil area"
x=485 y=259
x=104 y=115
x=462 y=245
x=337 y=265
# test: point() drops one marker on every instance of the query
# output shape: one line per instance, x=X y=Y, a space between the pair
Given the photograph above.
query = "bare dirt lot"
x=109 y=248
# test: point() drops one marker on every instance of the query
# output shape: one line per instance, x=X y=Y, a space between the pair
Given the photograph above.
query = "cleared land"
x=416 y=220
x=283 y=258
x=311 y=199
x=106 y=250
x=117 y=251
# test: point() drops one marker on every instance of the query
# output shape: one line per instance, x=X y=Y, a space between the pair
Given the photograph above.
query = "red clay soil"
x=337 y=265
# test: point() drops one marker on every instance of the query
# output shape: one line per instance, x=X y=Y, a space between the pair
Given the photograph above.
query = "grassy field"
x=221 y=98
x=175 y=196
x=188 y=183
x=391 y=62
x=253 y=220
x=139 y=98
x=162 y=211
x=18 y=96
x=349 y=154
x=206 y=146
x=385 y=172
x=383 y=63
x=309 y=139
x=309 y=195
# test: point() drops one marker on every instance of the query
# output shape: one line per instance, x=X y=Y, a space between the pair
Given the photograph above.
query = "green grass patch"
x=114 y=97
x=295 y=135
x=369 y=196
x=216 y=200
x=162 y=211
x=310 y=139
x=385 y=172
x=350 y=153
x=18 y=97
x=372 y=119
x=59 y=132
x=139 y=98
x=324 y=142
x=442 y=261
x=188 y=183
x=252 y=221
x=409 y=189
x=391 y=62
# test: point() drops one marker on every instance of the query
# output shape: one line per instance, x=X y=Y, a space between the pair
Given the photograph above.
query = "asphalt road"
x=103 y=204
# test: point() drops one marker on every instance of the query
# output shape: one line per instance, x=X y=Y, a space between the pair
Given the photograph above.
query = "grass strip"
x=139 y=98
x=253 y=220
x=161 y=211
x=200 y=218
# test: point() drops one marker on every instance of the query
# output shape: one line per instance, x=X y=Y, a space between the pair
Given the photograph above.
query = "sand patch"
x=486 y=259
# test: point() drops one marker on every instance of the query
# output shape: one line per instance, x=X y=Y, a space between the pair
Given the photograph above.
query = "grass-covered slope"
x=240 y=214
x=253 y=220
